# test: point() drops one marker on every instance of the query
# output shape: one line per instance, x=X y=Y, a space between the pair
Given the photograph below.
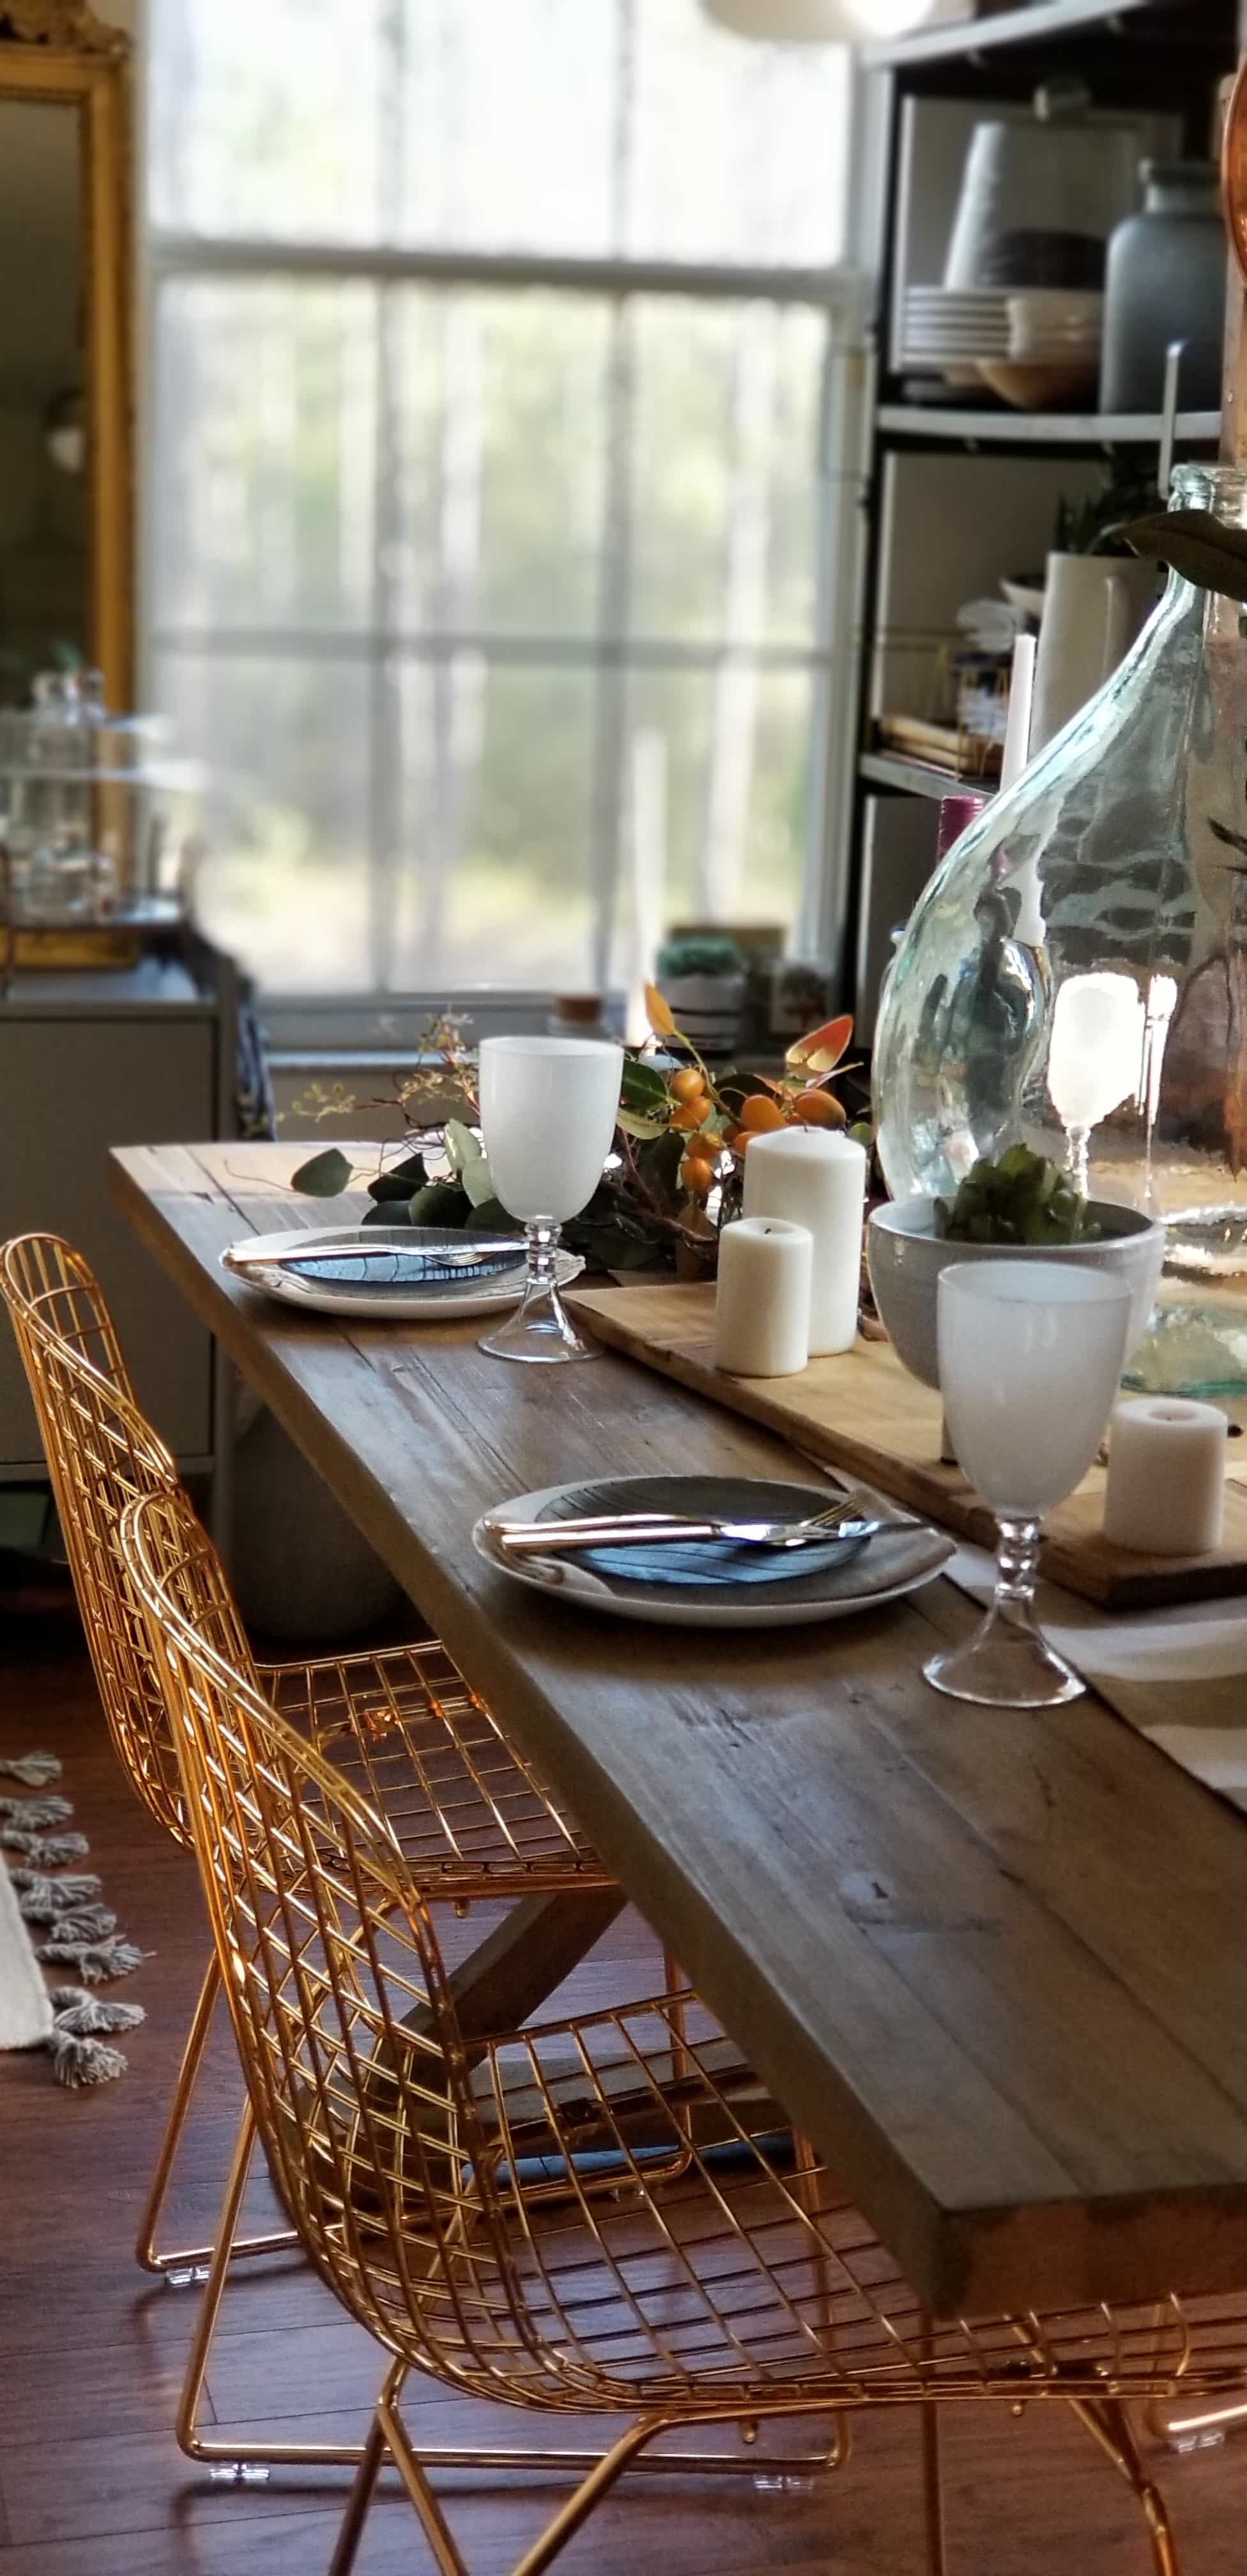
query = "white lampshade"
x=826 y=22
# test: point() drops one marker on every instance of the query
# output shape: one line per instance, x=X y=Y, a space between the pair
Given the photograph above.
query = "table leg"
x=522 y=1961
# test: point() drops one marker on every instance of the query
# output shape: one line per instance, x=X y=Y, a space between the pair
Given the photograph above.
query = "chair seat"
x=685 y=2257
x=470 y=1814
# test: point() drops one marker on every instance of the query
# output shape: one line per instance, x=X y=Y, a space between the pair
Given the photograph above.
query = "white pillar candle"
x=1166 y=1477
x=762 y=1304
x=819 y=1181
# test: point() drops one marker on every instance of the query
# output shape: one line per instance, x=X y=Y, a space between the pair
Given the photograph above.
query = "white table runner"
x=1194 y=1656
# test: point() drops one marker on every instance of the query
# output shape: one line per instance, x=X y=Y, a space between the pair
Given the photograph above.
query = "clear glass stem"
x=540 y=1328
x=1079 y=1159
x=542 y=1238
x=1017 y=1572
x=1007 y=1662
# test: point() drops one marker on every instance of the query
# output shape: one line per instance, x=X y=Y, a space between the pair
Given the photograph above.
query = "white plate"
x=259 y=1261
x=571 y=1581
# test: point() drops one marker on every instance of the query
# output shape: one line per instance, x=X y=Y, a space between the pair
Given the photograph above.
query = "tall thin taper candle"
x=819 y=1181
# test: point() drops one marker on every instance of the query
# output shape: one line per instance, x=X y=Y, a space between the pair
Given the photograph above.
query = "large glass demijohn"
x=1075 y=973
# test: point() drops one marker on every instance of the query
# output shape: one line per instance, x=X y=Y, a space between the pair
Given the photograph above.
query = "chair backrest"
x=102 y=1453
x=342 y=2009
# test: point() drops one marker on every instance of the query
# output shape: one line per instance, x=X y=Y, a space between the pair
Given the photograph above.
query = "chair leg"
x=933 y=2490
x=414 y=2477
x=190 y=2263
x=566 y=2521
x=346 y=2548
x=1106 y=2420
x=242 y=2461
x=580 y=2506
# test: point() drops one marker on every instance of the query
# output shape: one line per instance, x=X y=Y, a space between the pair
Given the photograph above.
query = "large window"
x=487 y=556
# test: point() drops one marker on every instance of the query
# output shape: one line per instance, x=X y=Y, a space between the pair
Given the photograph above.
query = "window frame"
x=333 y=1022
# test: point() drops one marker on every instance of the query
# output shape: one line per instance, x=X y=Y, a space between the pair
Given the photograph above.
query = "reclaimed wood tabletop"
x=995 y=1965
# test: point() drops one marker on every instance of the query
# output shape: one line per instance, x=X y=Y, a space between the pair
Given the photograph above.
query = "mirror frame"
x=59 y=51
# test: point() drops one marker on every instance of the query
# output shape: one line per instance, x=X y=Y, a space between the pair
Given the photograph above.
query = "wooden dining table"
x=994 y=1965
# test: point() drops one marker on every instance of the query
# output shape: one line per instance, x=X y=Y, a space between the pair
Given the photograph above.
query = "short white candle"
x=762 y=1305
x=819 y=1181
x=1166 y=1477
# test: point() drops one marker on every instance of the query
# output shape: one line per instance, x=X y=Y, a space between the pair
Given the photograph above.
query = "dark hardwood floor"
x=91 y=2352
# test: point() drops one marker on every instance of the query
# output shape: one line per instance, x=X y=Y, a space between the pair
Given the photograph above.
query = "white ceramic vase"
x=1094 y=606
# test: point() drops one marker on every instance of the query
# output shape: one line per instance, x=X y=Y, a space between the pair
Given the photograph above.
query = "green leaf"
x=325 y=1177
x=635 y=1125
x=440 y=1203
x=493 y=1218
x=400 y=1181
x=461 y=1145
x=389 y=1212
x=660 y=1163
x=643 y=1086
x=1198 y=545
x=478 y=1180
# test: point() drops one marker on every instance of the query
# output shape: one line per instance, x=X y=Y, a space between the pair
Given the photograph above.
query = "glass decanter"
x=1075 y=974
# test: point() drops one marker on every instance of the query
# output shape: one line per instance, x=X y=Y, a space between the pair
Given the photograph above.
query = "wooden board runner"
x=864 y=1412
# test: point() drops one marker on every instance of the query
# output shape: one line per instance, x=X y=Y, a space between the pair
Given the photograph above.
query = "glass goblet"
x=548 y=1109
x=1031 y=1356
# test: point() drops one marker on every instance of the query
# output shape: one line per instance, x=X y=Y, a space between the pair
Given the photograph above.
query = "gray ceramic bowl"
x=906 y=1257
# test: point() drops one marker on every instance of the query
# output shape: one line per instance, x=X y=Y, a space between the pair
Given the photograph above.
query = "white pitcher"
x=1093 y=608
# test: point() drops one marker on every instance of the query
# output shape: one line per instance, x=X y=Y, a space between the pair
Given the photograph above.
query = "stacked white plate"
x=948 y=328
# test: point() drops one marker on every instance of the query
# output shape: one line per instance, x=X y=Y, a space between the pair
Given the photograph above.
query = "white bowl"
x=906 y=1256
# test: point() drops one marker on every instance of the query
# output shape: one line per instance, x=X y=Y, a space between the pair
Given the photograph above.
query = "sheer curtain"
x=491 y=347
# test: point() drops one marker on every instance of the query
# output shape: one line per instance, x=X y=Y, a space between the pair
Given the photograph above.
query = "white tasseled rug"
x=26 y=2010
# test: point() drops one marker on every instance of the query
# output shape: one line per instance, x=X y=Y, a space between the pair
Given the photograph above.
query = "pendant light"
x=824 y=22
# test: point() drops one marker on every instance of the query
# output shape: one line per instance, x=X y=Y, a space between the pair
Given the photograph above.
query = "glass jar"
x=1075 y=973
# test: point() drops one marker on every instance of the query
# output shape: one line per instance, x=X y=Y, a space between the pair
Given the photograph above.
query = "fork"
x=650 y=1529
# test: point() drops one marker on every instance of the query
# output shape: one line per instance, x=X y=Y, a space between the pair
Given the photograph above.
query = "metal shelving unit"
x=1043 y=23
x=943 y=425
x=913 y=777
x=1153 y=56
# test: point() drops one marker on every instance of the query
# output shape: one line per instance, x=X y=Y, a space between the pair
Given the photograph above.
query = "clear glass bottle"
x=1075 y=973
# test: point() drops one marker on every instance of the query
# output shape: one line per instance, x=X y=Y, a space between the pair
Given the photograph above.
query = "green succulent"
x=1022 y=1199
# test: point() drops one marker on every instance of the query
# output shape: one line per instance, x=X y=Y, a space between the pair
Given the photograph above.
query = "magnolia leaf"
x=491 y=1216
x=658 y=1013
x=477 y=1179
x=822 y=1048
x=325 y=1177
x=633 y=1124
x=461 y=1145
x=440 y=1203
x=1196 y=544
x=401 y=1181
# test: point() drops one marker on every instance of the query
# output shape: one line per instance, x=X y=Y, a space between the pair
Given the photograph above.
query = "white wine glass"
x=548 y=1111
x=1031 y=1356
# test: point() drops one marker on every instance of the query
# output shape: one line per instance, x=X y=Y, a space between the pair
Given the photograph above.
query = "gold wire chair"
x=621 y=2230
x=472 y=1818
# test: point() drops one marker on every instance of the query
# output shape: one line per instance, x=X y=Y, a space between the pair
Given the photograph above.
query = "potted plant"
x=704 y=982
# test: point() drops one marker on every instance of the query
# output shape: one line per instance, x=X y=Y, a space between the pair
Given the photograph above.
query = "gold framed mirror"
x=66 y=408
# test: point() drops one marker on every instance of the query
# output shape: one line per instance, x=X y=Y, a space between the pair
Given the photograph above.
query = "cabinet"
x=88 y=1061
